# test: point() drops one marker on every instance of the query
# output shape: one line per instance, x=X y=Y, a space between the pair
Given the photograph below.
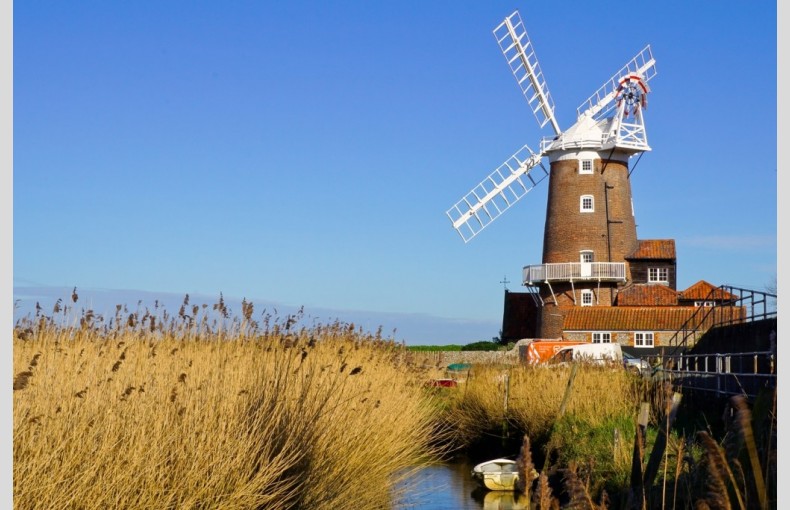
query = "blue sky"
x=305 y=153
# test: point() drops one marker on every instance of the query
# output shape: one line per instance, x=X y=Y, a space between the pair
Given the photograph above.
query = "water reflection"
x=450 y=487
x=502 y=500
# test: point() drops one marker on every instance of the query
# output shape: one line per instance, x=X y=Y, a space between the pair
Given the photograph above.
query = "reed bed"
x=592 y=430
x=534 y=396
x=206 y=409
x=140 y=417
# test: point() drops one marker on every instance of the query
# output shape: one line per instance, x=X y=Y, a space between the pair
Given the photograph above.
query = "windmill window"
x=586 y=256
x=587 y=298
x=657 y=275
x=587 y=204
x=643 y=339
x=601 y=338
x=585 y=166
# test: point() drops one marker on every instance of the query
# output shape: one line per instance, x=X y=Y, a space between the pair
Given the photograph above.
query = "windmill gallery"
x=598 y=282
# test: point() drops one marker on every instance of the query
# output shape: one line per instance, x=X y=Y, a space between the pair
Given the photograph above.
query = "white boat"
x=497 y=474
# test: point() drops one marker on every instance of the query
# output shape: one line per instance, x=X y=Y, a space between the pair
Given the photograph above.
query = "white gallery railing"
x=573 y=271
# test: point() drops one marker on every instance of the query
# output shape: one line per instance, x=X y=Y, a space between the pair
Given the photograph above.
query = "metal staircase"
x=757 y=305
x=747 y=367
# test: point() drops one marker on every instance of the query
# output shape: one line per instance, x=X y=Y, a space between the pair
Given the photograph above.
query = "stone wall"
x=444 y=358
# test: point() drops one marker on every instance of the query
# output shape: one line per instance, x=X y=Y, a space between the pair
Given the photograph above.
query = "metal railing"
x=738 y=373
x=756 y=305
x=573 y=271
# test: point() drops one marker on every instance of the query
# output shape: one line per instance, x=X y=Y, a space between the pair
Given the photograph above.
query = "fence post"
x=504 y=416
x=719 y=371
x=661 y=441
x=563 y=405
x=636 y=496
x=507 y=391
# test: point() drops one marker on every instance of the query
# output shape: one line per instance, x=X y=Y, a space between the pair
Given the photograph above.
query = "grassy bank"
x=525 y=400
x=148 y=417
x=577 y=430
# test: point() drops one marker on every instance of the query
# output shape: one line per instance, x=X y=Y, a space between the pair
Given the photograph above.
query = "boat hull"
x=496 y=475
x=500 y=481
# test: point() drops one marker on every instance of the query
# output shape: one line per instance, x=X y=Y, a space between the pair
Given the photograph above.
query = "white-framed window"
x=704 y=303
x=587 y=297
x=585 y=256
x=586 y=203
x=643 y=339
x=657 y=275
x=599 y=337
x=632 y=208
x=585 y=166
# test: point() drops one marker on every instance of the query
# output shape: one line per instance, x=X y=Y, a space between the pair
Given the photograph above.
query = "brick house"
x=642 y=314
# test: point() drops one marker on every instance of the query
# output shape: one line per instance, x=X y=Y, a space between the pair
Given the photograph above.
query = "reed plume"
x=543 y=499
x=22 y=379
x=717 y=494
x=577 y=492
x=743 y=424
x=525 y=467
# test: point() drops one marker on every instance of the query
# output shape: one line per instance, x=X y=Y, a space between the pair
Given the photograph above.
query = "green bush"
x=602 y=452
x=434 y=348
x=481 y=346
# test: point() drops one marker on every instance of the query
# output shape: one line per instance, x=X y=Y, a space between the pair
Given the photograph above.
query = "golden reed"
x=146 y=417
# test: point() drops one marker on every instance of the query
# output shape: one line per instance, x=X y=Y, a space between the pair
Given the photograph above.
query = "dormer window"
x=657 y=275
x=585 y=166
x=586 y=204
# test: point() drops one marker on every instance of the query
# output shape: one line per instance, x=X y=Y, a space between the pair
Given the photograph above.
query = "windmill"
x=589 y=216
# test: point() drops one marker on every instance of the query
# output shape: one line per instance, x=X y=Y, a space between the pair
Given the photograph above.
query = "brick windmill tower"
x=590 y=228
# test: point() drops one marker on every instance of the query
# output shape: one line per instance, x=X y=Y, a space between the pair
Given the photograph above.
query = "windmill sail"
x=520 y=55
x=497 y=193
x=601 y=103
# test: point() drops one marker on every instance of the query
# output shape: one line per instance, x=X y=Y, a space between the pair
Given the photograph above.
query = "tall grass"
x=594 y=434
x=534 y=397
x=588 y=449
x=142 y=417
x=204 y=409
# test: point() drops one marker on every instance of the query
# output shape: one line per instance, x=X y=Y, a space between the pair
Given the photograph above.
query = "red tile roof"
x=654 y=249
x=704 y=290
x=639 y=318
x=642 y=294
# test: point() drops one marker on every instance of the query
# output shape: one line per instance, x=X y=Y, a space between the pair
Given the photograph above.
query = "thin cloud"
x=412 y=328
x=731 y=242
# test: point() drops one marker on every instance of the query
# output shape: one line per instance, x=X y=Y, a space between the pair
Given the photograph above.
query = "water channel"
x=450 y=486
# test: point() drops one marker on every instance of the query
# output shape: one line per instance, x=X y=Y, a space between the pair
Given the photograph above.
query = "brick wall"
x=568 y=231
x=551 y=321
x=609 y=231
